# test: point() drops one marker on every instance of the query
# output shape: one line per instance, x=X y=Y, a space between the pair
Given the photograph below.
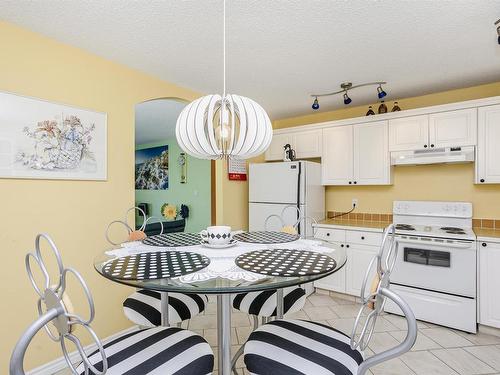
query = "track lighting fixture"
x=315 y=105
x=346 y=86
x=347 y=100
x=381 y=92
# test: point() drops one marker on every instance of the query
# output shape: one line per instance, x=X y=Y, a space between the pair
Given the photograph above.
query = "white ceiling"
x=155 y=120
x=281 y=51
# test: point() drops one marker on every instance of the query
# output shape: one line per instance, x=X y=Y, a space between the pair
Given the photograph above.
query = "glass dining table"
x=229 y=271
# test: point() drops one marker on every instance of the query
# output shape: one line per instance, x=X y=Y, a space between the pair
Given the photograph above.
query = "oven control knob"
x=346 y=245
x=362 y=237
x=481 y=180
x=484 y=244
x=342 y=245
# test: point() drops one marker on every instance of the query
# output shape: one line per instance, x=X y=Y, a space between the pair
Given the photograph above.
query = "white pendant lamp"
x=227 y=126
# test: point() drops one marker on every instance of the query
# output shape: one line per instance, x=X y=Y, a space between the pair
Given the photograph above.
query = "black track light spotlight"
x=381 y=92
x=347 y=100
x=315 y=105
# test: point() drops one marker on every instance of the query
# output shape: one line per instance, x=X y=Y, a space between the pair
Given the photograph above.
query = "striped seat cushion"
x=264 y=303
x=144 y=307
x=294 y=347
x=155 y=351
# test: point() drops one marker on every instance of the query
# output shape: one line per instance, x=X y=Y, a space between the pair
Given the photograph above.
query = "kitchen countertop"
x=372 y=226
x=484 y=234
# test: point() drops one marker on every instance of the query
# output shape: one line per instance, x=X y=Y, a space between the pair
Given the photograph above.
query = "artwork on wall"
x=151 y=168
x=45 y=140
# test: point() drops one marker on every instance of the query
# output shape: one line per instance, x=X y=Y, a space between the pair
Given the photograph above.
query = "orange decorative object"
x=136 y=235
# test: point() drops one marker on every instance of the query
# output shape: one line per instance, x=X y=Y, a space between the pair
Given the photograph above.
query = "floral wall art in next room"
x=44 y=140
x=151 y=168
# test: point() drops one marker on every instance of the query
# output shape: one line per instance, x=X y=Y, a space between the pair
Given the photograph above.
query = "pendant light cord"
x=224 y=48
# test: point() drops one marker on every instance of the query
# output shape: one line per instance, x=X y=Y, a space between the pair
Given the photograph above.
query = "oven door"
x=447 y=266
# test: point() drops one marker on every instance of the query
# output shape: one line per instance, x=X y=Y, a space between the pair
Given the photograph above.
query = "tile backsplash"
x=486 y=223
x=365 y=216
x=384 y=217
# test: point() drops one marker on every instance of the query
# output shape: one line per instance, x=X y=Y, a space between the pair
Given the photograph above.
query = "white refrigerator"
x=274 y=186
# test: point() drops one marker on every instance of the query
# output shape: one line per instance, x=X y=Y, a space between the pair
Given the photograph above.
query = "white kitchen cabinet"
x=443 y=129
x=372 y=164
x=453 y=128
x=360 y=247
x=276 y=148
x=409 y=133
x=359 y=259
x=488 y=145
x=337 y=163
x=307 y=144
x=489 y=283
x=335 y=282
x=356 y=155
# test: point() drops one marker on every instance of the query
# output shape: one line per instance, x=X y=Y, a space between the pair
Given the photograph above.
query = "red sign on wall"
x=237 y=169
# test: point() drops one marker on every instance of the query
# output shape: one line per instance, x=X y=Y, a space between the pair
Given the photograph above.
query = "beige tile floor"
x=437 y=351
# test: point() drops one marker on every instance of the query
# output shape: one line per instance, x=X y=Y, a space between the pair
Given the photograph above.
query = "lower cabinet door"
x=359 y=258
x=335 y=282
x=489 y=283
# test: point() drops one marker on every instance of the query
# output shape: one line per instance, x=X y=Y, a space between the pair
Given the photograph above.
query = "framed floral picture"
x=151 y=168
x=46 y=140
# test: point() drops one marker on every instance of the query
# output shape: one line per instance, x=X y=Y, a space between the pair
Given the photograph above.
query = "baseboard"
x=59 y=364
x=489 y=330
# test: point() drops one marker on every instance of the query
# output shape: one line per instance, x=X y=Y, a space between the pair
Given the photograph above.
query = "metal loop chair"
x=55 y=313
x=129 y=228
x=264 y=354
x=57 y=317
x=290 y=227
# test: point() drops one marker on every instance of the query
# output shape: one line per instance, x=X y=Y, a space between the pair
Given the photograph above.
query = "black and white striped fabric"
x=297 y=347
x=264 y=303
x=144 y=307
x=156 y=351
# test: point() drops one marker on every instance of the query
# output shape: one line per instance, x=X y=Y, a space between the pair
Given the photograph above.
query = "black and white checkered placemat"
x=158 y=265
x=265 y=237
x=173 y=239
x=286 y=262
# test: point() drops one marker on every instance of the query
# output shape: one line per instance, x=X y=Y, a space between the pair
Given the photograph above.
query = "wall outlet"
x=355 y=202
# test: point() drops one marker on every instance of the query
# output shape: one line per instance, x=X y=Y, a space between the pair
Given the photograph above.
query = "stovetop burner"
x=405 y=227
x=454 y=229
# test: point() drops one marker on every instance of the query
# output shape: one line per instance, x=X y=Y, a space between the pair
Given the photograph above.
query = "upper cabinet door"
x=307 y=144
x=488 y=145
x=337 y=161
x=372 y=163
x=454 y=128
x=409 y=133
x=276 y=148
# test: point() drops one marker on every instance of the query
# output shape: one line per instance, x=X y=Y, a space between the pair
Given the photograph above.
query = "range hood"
x=434 y=156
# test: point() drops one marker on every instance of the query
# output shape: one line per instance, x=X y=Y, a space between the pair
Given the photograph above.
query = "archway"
x=166 y=177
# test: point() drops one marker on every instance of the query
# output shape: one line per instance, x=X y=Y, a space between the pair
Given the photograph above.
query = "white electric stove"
x=435 y=270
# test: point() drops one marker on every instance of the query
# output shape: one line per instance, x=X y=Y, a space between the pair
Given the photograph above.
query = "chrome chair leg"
x=242 y=347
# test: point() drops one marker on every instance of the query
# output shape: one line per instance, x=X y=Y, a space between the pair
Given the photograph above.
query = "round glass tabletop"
x=222 y=275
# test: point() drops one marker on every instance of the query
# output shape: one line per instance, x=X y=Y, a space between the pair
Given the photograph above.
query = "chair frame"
x=57 y=313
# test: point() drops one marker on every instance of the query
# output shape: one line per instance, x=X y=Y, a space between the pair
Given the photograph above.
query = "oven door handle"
x=455 y=245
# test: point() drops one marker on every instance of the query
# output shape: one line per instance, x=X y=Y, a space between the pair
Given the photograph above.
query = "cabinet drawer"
x=364 y=238
x=332 y=235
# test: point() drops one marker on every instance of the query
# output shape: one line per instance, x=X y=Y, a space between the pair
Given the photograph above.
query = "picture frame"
x=41 y=139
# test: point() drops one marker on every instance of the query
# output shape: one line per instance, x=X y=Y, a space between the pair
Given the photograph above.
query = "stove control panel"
x=432 y=208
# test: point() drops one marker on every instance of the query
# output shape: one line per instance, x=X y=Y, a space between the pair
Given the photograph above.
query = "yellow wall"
x=432 y=182
x=232 y=197
x=75 y=213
